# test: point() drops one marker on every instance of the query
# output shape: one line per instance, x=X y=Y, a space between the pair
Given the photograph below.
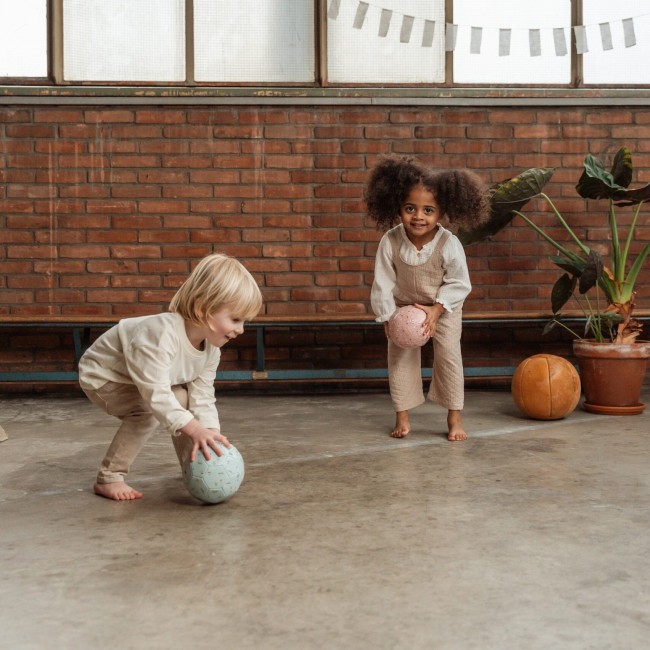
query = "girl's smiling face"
x=420 y=215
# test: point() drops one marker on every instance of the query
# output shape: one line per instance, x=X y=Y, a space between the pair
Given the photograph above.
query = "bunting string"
x=561 y=35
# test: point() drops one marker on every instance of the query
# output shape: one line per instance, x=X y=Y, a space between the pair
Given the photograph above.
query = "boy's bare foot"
x=455 y=426
x=402 y=425
x=119 y=491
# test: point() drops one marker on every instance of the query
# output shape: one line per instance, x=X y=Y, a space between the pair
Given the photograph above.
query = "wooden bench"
x=83 y=326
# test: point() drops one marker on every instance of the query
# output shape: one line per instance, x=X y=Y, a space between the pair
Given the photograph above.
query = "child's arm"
x=382 y=299
x=205 y=428
x=456 y=283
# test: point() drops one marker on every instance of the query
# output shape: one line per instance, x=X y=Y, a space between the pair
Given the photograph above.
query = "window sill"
x=414 y=96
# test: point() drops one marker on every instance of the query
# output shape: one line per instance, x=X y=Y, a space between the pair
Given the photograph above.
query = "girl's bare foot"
x=455 y=426
x=402 y=425
x=119 y=491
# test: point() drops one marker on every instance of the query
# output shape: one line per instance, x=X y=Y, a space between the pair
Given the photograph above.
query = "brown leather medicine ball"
x=546 y=387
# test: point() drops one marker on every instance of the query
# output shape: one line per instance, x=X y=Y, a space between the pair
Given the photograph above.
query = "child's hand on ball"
x=433 y=313
x=204 y=440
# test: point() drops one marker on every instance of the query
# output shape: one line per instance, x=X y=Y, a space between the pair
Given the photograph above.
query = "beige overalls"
x=420 y=284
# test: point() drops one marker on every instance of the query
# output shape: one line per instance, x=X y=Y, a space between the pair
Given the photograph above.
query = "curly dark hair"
x=460 y=193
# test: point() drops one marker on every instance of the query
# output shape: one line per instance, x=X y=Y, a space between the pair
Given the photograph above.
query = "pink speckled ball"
x=405 y=327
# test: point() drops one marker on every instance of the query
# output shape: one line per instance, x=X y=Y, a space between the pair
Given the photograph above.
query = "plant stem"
x=566 y=226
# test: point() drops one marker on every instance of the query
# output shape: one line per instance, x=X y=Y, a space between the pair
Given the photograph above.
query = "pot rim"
x=640 y=349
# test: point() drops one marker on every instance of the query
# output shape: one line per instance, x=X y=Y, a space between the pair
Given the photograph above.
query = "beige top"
x=455 y=283
x=154 y=354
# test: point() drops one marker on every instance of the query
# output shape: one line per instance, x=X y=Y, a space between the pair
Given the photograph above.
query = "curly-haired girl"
x=419 y=262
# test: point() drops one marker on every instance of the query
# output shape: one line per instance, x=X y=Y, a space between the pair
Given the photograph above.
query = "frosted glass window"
x=620 y=64
x=395 y=41
x=23 y=38
x=518 y=66
x=254 y=41
x=124 y=40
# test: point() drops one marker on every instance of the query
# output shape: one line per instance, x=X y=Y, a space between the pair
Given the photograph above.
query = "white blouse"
x=456 y=285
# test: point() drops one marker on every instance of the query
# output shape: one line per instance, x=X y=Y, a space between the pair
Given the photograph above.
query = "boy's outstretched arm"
x=204 y=439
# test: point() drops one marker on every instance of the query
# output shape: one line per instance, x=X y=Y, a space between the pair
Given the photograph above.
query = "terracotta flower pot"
x=612 y=375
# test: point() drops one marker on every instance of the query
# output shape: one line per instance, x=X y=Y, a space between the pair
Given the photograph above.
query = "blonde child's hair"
x=218 y=282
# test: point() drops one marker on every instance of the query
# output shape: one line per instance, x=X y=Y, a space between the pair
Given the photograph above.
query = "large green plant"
x=608 y=313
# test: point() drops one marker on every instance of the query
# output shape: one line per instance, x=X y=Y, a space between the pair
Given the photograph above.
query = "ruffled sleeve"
x=456 y=284
x=382 y=299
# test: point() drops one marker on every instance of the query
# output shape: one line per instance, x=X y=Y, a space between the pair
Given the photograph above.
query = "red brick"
x=83 y=281
x=84 y=252
x=315 y=295
x=160 y=117
x=111 y=296
x=286 y=250
x=317 y=235
x=216 y=236
x=139 y=191
x=239 y=132
x=216 y=176
x=30 y=131
x=134 y=281
x=136 y=221
x=289 y=280
x=163 y=207
x=136 y=132
x=112 y=266
x=57 y=296
x=109 y=115
x=135 y=252
x=315 y=147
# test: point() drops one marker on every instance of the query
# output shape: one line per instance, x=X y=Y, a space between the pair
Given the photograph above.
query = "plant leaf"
x=591 y=275
x=562 y=292
x=622 y=167
x=511 y=194
x=551 y=325
x=597 y=183
x=632 y=197
x=573 y=266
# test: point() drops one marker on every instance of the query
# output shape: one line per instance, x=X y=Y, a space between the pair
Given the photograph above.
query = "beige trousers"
x=124 y=402
x=447 y=384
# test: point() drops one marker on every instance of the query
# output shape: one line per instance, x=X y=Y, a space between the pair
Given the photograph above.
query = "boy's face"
x=222 y=326
x=420 y=214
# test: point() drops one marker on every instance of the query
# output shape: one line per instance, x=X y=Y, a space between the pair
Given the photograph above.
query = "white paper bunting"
x=360 y=16
x=534 y=42
x=407 y=27
x=476 y=32
x=333 y=12
x=475 y=40
x=580 y=34
x=504 y=42
x=451 y=31
x=384 y=22
x=559 y=40
x=606 y=36
x=628 y=32
x=428 y=32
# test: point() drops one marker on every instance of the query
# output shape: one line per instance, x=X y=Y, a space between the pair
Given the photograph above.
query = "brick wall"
x=103 y=210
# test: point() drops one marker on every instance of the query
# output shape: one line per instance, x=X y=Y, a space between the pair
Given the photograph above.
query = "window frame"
x=321 y=88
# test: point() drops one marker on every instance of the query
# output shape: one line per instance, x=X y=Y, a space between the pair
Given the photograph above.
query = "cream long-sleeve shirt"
x=154 y=354
x=456 y=284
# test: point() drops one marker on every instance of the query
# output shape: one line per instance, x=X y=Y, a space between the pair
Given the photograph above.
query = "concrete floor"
x=530 y=535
